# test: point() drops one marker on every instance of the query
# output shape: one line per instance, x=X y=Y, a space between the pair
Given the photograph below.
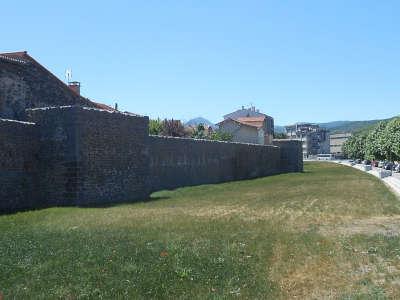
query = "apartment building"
x=314 y=138
x=336 y=143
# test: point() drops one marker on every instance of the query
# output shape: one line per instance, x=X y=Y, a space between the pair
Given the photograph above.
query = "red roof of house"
x=21 y=54
x=16 y=57
x=240 y=122
x=253 y=121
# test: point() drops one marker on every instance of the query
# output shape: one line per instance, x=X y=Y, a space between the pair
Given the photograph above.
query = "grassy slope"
x=279 y=236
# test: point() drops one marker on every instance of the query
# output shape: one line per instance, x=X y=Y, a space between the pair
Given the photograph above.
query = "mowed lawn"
x=330 y=232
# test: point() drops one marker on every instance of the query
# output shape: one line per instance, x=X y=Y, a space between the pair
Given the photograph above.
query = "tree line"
x=175 y=128
x=380 y=143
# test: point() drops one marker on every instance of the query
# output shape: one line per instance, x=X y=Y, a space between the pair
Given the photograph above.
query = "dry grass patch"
x=328 y=233
x=383 y=225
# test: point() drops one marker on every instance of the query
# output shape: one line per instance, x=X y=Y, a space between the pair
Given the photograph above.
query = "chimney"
x=75 y=86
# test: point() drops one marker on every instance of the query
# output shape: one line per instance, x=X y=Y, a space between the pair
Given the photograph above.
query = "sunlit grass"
x=278 y=237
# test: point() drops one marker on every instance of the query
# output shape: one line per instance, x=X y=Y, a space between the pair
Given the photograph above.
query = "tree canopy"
x=381 y=142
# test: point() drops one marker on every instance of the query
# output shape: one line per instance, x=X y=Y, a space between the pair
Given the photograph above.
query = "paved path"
x=392 y=181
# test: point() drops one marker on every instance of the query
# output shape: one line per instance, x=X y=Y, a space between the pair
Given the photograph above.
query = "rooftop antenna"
x=68 y=75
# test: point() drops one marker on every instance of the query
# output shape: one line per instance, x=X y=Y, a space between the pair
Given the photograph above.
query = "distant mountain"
x=350 y=126
x=333 y=127
x=343 y=126
x=199 y=120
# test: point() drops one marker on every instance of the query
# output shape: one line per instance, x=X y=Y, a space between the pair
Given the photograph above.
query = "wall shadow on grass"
x=94 y=205
x=119 y=203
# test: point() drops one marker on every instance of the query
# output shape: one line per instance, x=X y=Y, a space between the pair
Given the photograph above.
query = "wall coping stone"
x=66 y=107
x=16 y=121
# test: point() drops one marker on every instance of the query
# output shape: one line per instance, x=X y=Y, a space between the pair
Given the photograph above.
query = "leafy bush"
x=221 y=136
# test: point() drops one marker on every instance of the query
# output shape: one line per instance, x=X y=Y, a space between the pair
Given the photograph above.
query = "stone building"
x=248 y=125
x=315 y=139
x=336 y=143
x=25 y=83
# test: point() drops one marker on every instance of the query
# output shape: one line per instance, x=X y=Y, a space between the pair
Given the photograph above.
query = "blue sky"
x=295 y=60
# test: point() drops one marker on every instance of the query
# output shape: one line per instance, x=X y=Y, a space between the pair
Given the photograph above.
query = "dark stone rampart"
x=291 y=159
x=73 y=155
x=19 y=144
x=176 y=162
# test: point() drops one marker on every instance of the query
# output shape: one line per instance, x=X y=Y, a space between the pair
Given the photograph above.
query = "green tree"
x=374 y=146
x=391 y=140
x=380 y=142
x=199 y=132
x=155 y=127
x=354 y=147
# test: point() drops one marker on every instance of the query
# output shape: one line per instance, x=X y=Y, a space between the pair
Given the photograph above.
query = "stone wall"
x=113 y=157
x=18 y=165
x=82 y=156
x=291 y=158
x=91 y=156
x=176 y=162
x=57 y=154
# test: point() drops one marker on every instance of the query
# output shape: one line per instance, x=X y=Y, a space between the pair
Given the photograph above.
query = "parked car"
x=366 y=162
x=381 y=164
x=388 y=166
x=397 y=168
x=375 y=163
x=358 y=161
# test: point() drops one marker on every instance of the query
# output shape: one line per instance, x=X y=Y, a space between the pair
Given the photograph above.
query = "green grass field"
x=330 y=232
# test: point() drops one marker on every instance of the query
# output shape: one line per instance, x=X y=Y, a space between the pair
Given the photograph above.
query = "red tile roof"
x=16 y=57
x=240 y=122
x=21 y=54
x=253 y=121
